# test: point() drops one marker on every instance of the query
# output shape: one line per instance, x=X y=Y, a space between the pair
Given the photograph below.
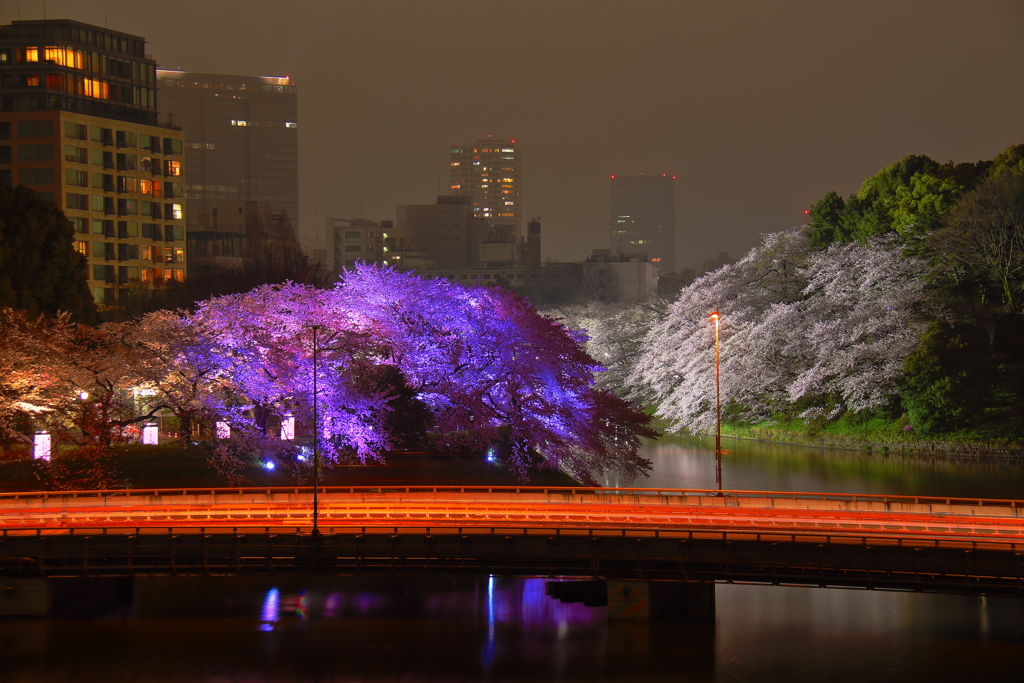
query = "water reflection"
x=327 y=629
x=502 y=629
x=690 y=463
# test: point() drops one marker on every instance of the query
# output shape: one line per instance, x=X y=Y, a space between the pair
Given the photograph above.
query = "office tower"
x=78 y=124
x=490 y=172
x=644 y=218
x=242 y=147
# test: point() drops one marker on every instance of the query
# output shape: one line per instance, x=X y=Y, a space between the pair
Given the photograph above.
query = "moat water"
x=497 y=629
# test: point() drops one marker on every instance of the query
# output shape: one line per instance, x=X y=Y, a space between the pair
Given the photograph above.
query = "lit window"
x=291 y=124
x=239 y=122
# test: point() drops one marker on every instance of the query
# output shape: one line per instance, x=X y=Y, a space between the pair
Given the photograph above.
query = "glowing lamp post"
x=316 y=439
x=718 y=408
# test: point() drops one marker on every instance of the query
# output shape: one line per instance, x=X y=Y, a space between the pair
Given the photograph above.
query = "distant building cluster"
x=166 y=174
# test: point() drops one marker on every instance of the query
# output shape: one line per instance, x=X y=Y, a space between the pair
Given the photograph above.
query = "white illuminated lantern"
x=151 y=434
x=288 y=429
x=223 y=430
x=41 y=446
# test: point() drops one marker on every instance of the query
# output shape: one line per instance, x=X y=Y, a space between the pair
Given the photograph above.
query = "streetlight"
x=718 y=409
x=316 y=449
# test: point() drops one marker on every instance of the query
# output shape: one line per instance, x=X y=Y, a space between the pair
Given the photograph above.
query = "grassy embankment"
x=998 y=436
x=176 y=466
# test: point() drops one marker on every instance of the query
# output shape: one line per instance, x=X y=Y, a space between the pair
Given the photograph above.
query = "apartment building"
x=78 y=124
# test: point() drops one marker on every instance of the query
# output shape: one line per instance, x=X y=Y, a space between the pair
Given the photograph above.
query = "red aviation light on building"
x=673 y=177
x=807 y=212
x=512 y=141
x=613 y=177
x=663 y=175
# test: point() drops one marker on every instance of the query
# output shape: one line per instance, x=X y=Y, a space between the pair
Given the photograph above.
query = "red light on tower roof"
x=673 y=177
x=663 y=175
x=512 y=141
x=807 y=212
x=613 y=177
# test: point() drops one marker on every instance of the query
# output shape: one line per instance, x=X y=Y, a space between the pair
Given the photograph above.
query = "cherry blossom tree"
x=481 y=366
x=828 y=329
x=29 y=347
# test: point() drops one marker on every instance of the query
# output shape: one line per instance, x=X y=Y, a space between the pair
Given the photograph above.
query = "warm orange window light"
x=63 y=56
x=147 y=274
x=92 y=87
x=31 y=54
x=146 y=186
x=32 y=80
x=173 y=168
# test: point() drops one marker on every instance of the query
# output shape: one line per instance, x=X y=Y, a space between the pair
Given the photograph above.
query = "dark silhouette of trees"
x=40 y=271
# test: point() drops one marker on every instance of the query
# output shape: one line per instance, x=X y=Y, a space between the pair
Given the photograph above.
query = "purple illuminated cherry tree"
x=470 y=366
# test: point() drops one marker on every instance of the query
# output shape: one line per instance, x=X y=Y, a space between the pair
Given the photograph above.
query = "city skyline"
x=728 y=97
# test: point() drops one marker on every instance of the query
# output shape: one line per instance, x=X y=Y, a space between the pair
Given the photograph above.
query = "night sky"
x=759 y=107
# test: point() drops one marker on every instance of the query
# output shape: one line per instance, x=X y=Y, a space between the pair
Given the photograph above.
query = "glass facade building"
x=78 y=126
x=242 y=147
x=644 y=218
x=63 y=65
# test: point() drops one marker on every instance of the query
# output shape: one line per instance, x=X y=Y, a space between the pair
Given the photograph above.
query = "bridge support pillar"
x=690 y=603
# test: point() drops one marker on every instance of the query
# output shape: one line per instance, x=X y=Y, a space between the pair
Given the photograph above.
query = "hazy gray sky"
x=759 y=107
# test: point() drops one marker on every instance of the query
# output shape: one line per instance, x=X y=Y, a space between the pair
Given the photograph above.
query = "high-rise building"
x=644 y=218
x=243 y=146
x=78 y=124
x=490 y=172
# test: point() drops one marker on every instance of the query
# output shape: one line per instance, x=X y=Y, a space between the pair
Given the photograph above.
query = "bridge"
x=666 y=547
x=914 y=543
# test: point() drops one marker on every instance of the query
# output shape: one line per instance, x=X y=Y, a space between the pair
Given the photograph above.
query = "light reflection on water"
x=748 y=465
x=498 y=629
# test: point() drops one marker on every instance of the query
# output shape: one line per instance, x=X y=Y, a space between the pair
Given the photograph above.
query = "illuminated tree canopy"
x=471 y=366
x=402 y=362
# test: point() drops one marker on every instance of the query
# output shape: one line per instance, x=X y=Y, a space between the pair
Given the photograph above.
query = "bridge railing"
x=650 y=493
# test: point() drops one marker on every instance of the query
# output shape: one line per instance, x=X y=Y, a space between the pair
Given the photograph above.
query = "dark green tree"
x=983 y=241
x=826 y=221
x=910 y=197
x=949 y=378
x=40 y=271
